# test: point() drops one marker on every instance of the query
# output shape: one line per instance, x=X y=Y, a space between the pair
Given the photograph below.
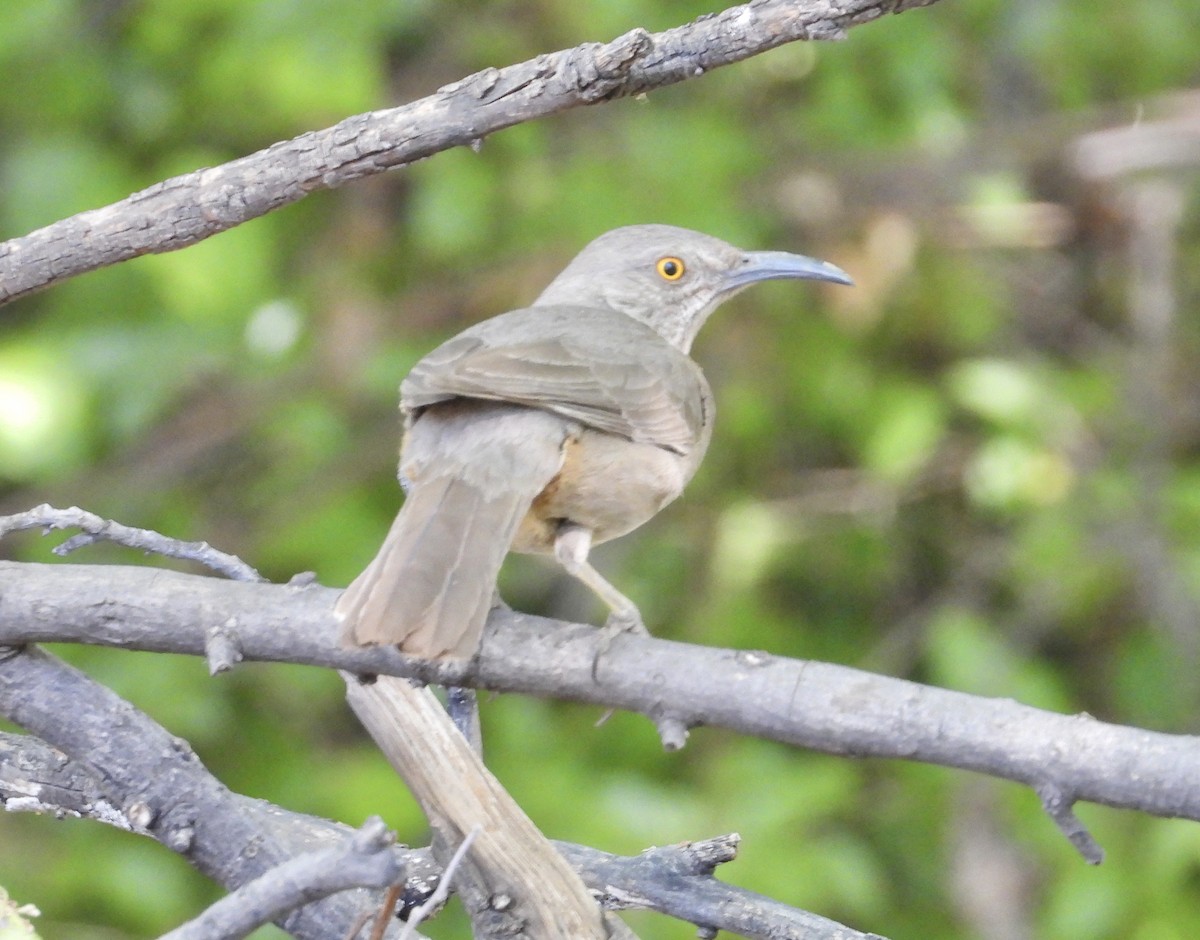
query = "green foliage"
x=963 y=471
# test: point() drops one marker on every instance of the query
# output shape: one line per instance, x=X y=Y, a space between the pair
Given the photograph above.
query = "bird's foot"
x=619 y=622
x=628 y=620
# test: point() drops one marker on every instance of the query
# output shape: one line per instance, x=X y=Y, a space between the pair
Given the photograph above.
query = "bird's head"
x=672 y=278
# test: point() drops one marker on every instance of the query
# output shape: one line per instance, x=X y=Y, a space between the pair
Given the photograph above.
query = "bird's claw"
x=624 y=621
x=619 y=622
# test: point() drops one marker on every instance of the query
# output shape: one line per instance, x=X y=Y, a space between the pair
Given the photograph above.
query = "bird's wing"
x=598 y=367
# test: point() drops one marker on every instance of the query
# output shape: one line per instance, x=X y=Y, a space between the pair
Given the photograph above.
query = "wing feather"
x=599 y=367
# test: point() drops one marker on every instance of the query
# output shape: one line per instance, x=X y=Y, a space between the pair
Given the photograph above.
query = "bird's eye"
x=670 y=269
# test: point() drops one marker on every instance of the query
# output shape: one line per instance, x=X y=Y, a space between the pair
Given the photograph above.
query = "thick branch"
x=512 y=881
x=133 y=774
x=816 y=705
x=186 y=209
x=674 y=880
x=363 y=860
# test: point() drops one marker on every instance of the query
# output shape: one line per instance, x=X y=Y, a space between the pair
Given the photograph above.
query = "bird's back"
x=592 y=365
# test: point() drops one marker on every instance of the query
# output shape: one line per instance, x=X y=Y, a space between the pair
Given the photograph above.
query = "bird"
x=550 y=429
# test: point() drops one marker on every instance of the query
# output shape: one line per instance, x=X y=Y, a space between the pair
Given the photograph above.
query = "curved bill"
x=782 y=265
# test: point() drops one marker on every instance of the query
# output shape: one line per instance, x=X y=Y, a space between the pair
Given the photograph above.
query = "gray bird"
x=550 y=429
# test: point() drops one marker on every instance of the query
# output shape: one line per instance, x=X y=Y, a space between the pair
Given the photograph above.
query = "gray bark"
x=186 y=209
x=815 y=705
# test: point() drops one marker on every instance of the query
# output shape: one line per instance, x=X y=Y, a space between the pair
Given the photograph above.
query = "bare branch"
x=1059 y=806
x=678 y=879
x=364 y=860
x=512 y=881
x=222 y=647
x=186 y=209
x=96 y=529
x=130 y=772
x=809 y=704
x=673 y=880
x=672 y=731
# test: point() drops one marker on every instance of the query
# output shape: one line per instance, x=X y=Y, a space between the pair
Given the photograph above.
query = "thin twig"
x=387 y=911
x=672 y=731
x=97 y=529
x=364 y=860
x=1059 y=806
x=438 y=898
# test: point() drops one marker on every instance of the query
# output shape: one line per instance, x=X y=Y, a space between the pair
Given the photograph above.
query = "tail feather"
x=430 y=587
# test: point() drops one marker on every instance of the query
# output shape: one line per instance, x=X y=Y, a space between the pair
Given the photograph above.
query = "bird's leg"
x=571 y=547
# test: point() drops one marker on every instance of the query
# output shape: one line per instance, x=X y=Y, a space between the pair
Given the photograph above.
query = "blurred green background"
x=979 y=469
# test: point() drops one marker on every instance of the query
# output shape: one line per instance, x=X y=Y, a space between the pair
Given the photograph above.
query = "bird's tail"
x=430 y=587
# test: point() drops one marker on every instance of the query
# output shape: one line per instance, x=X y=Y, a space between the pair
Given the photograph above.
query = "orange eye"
x=670 y=269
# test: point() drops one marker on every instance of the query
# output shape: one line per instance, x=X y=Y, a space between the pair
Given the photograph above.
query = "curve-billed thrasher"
x=550 y=429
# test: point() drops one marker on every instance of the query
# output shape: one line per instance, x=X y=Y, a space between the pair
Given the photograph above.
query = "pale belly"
x=608 y=485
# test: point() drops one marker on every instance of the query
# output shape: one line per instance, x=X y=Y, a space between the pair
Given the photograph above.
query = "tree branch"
x=363 y=860
x=821 y=706
x=673 y=880
x=512 y=881
x=186 y=209
x=129 y=771
x=678 y=879
x=97 y=529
